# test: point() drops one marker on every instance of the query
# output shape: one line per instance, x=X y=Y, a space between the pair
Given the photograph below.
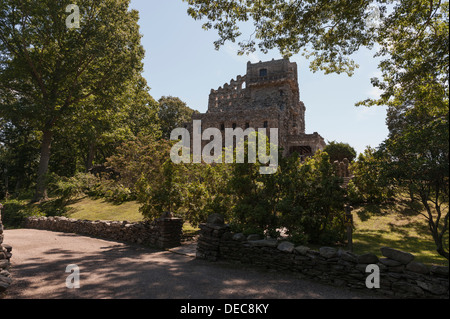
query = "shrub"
x=15 y=211
x=305 y=198
x=338 y=151
x=311 y=204
x=369 y=183
x=68 y=188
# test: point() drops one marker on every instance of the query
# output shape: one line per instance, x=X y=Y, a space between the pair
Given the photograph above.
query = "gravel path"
x=116 y=270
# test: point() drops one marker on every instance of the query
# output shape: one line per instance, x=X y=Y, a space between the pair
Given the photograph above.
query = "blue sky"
x=181 y=61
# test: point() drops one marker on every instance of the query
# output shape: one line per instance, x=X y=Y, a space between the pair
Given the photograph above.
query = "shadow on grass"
x=423 y=248
x=367 y=211
x=408 y=208
x=402 y=206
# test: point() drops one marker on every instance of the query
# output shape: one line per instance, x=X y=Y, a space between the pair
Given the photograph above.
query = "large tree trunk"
x=41 y=187
x=90 y=155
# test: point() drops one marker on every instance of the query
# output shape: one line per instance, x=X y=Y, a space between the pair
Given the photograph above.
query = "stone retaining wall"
x=164 y=232
x=400 y=276
x=5 y=256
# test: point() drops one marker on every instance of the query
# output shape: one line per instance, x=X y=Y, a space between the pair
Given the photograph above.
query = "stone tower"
x=266 y=97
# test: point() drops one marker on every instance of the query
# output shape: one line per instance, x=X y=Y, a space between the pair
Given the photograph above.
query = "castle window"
x=281 y=92
x=263 y=72
x=266 y=124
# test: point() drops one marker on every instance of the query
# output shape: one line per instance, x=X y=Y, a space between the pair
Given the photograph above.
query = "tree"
x=173 y=113
x=19 y=150
x=330 y=30
x=415 y=88
x=338 y=151
x=144 y=165
x=418 y=159
x=47 y=70
x=370 y=182
x=100 y=130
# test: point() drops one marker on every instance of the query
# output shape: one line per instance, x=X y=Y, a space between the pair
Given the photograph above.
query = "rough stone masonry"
x=400 y=275
x=266 y=97
x=5 y=256
x=164 y=232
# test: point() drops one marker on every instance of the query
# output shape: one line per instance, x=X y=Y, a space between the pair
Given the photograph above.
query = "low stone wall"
x=400 y=276
x=5 y=256
x=164 y=232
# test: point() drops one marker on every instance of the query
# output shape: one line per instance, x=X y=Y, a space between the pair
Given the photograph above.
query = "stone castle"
x=266 y=97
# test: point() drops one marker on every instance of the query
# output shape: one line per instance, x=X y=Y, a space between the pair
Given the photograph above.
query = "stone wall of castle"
x=266 y=97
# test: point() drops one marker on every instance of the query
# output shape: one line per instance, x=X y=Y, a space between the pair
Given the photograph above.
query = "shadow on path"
x=117 y=270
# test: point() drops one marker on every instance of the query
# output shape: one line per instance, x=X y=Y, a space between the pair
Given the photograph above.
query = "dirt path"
x=117 y=270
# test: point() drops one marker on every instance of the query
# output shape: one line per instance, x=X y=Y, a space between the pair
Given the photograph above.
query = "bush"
x=311 y=202
x=16 y=211
x=338 y=151
x=370 y=183
x=68 y=188
x=305 y=198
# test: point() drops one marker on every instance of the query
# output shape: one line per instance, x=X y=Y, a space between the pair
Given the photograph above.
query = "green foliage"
x=145 y=168
x=330 y=31
x=418 y=160
x=67 y=189
x=370 y=183
x=304 y=199
x=191 y=191
x=205 y=191
x=338 y=151
x=15 y=211
x=163 y=196
x=253 y=208
x=55 y=78
x=173 y=113
x=19 y=149
x=414 y=42
x=312 y=200
x=415 y=88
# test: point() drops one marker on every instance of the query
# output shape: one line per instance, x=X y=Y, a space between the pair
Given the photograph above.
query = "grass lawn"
x=98 y=209
x=376 y=226
x=396 y=226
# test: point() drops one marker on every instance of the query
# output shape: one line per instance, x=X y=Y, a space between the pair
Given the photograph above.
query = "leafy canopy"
x=328 y=30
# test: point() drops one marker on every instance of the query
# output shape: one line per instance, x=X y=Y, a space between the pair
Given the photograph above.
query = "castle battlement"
x=267 y=96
